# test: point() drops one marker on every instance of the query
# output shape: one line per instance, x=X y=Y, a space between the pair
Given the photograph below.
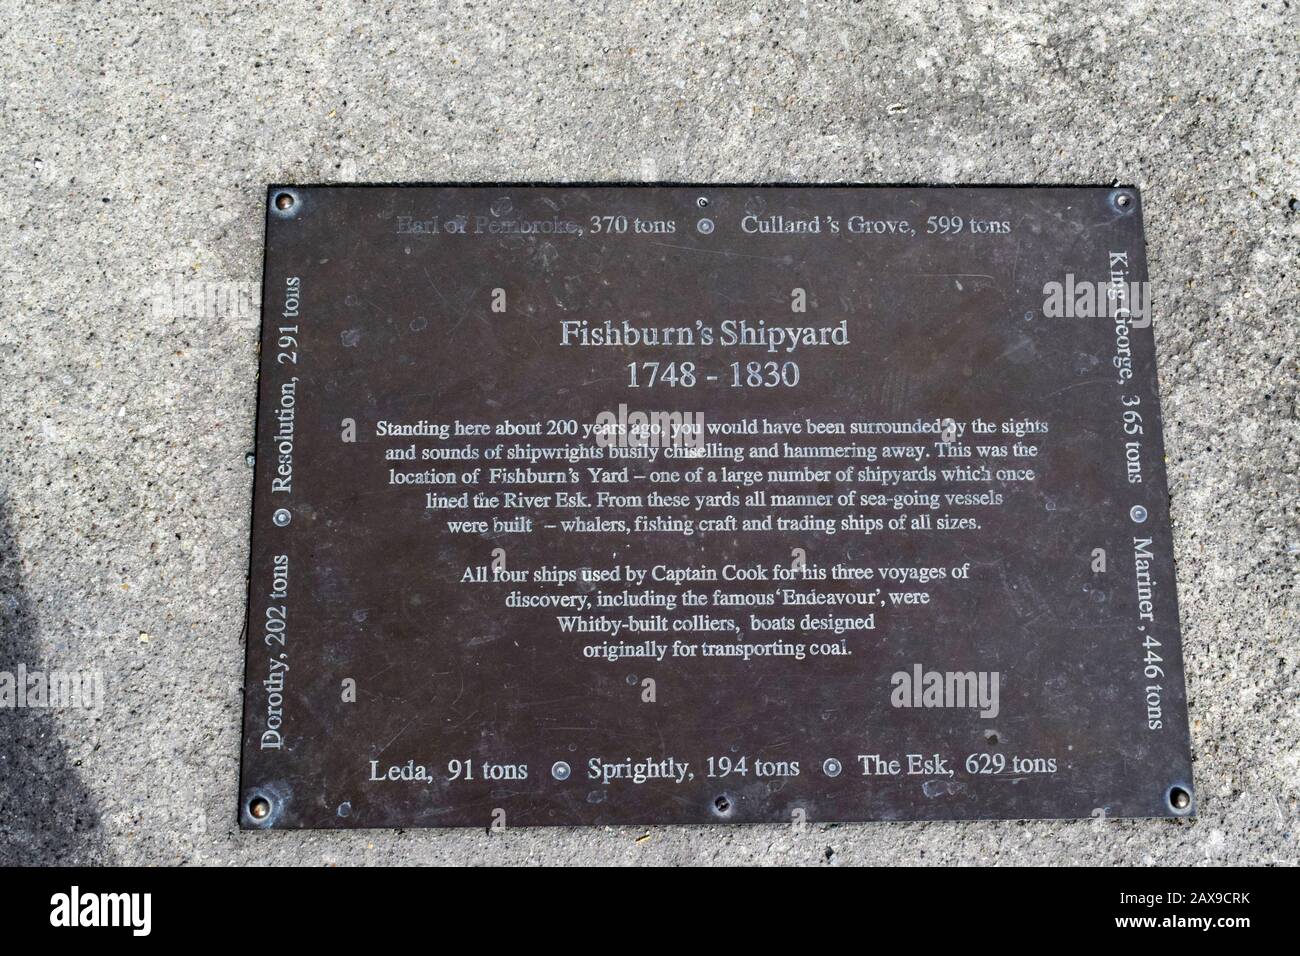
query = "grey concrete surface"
x=136 y=142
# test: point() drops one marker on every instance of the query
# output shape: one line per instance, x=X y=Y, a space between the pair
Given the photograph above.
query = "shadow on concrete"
x=47 y=816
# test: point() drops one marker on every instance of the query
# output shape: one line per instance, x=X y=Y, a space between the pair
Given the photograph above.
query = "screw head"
x=1138 y=513
x=284 y=201
x=282 y=517
x=560 y=770
x=705 y=226
x=832 y=767
x=259 y=808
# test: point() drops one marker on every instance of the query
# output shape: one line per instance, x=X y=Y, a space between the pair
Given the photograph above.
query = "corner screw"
x=259 y=808
x=282 y=517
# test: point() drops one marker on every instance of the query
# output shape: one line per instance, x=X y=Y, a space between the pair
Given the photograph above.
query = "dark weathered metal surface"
x=419 y=653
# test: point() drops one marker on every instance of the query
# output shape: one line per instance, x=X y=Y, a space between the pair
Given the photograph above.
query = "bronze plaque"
x=584 y=504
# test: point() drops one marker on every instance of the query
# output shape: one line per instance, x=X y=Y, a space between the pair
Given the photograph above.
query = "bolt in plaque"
x=691 y=504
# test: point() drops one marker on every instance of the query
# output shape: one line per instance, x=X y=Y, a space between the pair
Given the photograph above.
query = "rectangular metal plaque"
x=691 y=504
